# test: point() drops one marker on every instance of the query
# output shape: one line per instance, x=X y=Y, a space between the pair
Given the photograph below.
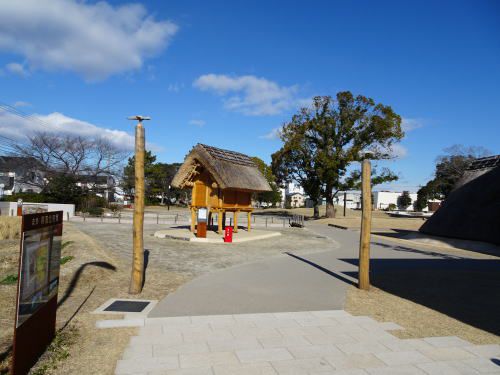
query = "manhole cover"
x=127 y=306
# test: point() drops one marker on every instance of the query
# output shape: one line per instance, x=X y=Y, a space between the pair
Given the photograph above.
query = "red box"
x=228 y=234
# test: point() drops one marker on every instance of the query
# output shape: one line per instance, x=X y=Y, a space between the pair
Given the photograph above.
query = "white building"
x=296 y=200
x=293 y=189
x=352 y=199
x=383 y=199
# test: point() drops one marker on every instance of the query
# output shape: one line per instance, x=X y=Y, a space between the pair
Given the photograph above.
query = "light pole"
x=138 y=225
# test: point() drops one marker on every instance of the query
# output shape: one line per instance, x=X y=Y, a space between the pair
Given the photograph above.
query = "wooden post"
x=345 y=201
x=249 y=219
x=193 y=219
x=219 y=222
x=235 y=215
x=366 y=221
x=138 y=222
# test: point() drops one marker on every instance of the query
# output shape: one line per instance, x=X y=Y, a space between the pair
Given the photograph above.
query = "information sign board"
x=37 y=288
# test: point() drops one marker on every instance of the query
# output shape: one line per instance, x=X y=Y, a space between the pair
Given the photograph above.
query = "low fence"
x=268 y=221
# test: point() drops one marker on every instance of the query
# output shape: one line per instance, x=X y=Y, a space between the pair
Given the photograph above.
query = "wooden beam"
x=366 y=221
x=249 y=219
x=193 y=219
x=235 y=215
x=219 y=222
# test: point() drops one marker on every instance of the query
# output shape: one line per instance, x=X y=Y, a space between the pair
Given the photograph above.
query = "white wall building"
x=352 y=199
x=10 y=208
x=296 y=200
x=382 y=200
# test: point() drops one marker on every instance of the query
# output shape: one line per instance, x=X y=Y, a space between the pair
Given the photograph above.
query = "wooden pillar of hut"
x=249 y=219
x=219 y=221
x=224 y=220
x=235 y=215
x=193 y=219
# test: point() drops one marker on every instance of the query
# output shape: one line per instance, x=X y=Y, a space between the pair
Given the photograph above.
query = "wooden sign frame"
x=37 y=287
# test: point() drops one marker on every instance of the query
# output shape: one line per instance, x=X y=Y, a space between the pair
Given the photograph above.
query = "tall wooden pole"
x=138 y=225
x=366 y=223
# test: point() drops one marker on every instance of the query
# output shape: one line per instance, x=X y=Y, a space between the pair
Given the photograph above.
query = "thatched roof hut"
x=229 y=169
x=472 y=210
x=221 y=181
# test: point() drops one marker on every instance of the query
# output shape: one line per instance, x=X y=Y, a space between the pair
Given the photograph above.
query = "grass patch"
x=10 y=227
x=66 y=259
x=9 y=280
x=57 y=351
x=66 y=244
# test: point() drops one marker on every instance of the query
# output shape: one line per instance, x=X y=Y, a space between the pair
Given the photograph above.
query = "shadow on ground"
x=465 y=289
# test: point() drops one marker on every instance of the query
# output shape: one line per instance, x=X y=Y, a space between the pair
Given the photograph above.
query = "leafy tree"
x=449 y=169
x=271 y=197
x=161 y=178
x=321 y=142
x=404 y=200
x=63 y=189
x=128 y=181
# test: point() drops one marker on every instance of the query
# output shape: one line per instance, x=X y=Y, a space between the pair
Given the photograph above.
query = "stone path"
x=315 y=342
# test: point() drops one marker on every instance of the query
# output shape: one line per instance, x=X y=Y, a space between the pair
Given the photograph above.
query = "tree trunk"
x=316 y=210
x=330 y=209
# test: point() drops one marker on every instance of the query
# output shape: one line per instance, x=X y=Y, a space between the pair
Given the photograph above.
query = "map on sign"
x=40 y=262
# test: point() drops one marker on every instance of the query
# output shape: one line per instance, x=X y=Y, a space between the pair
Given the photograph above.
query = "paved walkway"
x=317 y=342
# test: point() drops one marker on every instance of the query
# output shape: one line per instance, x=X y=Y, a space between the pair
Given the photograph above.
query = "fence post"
x=284 y=222
x=272 y=219
x=119 y=217
x=253 y=218
x=83 y=213
x=102 y=216
x=266 y=222
x=175 y=220
x=67 y=216
x=157 y=218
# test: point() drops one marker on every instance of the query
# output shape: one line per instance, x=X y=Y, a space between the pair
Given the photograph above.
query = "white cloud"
x=273 y=134
x=22 y=104
x=18 y=128
x=398 y=151
x=175 y=87
x=16 y=68
x=409 y=124
x=93 y=40
x=250 y=95
x=199 y=123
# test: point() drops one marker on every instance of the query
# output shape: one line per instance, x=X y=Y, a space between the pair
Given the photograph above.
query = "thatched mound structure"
x=229 y=169
x=472 y=210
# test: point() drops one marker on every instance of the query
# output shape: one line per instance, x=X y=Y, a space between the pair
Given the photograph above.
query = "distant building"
x=20 y=175
x=291 y=189
x=296 y=200
x=102 y=185
x=352 y=199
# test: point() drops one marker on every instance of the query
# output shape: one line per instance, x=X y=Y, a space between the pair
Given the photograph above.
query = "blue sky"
x=229 y=73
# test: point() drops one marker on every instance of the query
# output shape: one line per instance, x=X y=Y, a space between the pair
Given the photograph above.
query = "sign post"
x=201 y=229
x=366 y=223
x=38 y=282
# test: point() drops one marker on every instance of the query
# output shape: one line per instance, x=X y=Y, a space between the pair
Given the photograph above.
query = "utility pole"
x=366 y=223
x=138 y=224
x=345 y=201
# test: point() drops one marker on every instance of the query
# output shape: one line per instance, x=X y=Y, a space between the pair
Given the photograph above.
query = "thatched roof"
x=472 y=210
x=229 y=169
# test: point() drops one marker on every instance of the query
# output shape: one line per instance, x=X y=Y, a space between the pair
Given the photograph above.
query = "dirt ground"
x=87 y=281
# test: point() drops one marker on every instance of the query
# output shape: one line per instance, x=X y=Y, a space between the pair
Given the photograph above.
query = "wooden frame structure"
x=222 y=181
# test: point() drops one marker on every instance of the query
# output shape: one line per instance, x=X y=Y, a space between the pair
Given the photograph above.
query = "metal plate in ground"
x=127 y=306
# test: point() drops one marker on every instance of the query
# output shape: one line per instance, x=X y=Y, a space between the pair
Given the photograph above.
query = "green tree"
x=128 y=181
x=449 y=169
x=270 y=197
x=321 y=142
x=161 y=178
x=404 y=200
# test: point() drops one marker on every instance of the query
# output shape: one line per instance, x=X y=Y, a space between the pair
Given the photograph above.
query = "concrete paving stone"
x=263 y=355
x=151 y=330
x=254 y=317
x=235 y=324
x=353 y=371
x=325 y=339
x=163 y=350
x=302 y=366
x=483 y=365
x=138 y=352
x=294 y=315
x=313 y=351
x=189 y=371
x=418 y=344
x=462 y=368
x=213 y=319
x=276 y=323
x=447 y=354
x=137 y=365
x=403 y=358
x=263 y=368
x=285 y=341
x=363 y=347
x=438 y=368
x=374 y=335
x=396 y=370
x=257 y=332
x=170 y=321
x=344 y=328
x=446 y=341
x=192 y=328
x=331 y=314
x=219 y=334
x=157 y=339
x=300 y=331
x=318 y=322
x=240 y=343
x=491 y=350
x=353 y=361
x=207 y=359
